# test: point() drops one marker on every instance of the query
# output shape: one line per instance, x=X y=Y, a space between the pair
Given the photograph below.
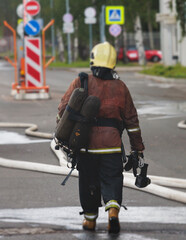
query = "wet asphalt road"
x=160 y=106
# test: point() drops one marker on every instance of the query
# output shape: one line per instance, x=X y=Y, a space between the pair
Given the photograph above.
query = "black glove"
x=135 y=160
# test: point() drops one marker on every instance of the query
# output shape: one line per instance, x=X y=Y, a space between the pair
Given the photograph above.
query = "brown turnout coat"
x=116 y=102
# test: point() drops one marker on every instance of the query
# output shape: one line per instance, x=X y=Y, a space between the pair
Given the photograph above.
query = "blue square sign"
x=114 y=15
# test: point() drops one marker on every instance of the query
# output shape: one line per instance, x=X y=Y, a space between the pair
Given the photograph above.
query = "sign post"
x=31 y=84
x=114 y=16
x=90 y=19
x=68 y=28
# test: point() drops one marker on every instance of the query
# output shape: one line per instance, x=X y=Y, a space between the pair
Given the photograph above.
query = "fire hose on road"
x=157 y=187
x=182 y=124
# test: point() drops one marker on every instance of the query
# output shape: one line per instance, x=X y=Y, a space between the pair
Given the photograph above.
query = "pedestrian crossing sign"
x=114 y=15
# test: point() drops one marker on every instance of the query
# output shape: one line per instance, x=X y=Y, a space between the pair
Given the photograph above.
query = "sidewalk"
x=162 y=79
x=83 y=69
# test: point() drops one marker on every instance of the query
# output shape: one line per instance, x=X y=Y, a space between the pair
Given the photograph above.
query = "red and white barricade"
x=33 y=63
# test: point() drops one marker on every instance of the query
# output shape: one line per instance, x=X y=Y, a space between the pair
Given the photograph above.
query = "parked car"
x=132 y=54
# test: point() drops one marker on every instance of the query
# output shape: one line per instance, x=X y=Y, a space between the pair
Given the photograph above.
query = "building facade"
x=173 y=45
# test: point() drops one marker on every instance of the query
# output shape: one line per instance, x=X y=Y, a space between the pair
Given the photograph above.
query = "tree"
x=181 y=14
x=133 y=8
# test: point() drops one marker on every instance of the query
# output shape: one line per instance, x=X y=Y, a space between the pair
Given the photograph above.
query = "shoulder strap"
x=84 y=80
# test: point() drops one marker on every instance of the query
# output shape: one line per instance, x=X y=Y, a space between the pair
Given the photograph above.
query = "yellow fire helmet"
x=103 y=55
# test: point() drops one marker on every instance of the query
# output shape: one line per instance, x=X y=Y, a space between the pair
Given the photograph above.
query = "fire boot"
x=89 y=223
x=113 y=226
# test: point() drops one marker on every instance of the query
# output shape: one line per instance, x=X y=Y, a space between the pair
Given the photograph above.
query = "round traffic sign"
x=67 y=18
x=20 y=10
x=32 y=8
x=20 y=29
x=90 y=12
x=115 y=30
x=32 y=27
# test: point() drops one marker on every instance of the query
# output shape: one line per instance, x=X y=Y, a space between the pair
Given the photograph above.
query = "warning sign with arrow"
x=114 y=15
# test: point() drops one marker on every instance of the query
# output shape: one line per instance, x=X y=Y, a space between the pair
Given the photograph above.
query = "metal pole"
x=68 y=36
x=90 y=37
x=52 y=29
x=103 y=23
x=100 y=26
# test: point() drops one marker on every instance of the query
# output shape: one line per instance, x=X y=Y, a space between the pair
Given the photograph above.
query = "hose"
x=157 y=187
x=30 y=131
x=182 y=124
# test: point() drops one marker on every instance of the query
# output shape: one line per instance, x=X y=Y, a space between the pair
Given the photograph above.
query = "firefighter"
x=100 y=165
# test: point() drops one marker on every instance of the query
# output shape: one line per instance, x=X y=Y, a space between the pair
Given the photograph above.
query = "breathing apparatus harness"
x=133 y=161
x=77 y=117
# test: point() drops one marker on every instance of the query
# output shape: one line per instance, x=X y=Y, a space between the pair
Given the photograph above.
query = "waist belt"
x=99 y=122
x=109 y=122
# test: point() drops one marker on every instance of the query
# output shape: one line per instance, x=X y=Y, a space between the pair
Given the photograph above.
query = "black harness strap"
x=102 y=122
x=109 y=122
x=75 y=116
x=84 y=80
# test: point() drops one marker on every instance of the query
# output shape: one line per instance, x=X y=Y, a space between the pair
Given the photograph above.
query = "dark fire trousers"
x=99 y=175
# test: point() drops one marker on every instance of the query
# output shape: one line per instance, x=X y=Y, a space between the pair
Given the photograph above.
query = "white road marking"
x=16 y=138
x=69 y=216
x=161 y=85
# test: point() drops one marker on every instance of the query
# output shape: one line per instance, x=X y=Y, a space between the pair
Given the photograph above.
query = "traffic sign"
x=20 y=10
x=68 y=27
x=41 y=22
x=32 y=28
x=114 y=15
x=90 y=20
x=90 y=12
x=20 y=29
x=32 y=7
x=67 y=18
x=115 y=30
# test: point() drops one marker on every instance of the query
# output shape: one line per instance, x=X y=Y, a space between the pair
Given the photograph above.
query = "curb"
x=84 y=69
x=161 y=79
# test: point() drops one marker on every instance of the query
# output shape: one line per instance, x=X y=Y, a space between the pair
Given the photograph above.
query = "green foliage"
x=176 y=71
x=78 y=64
x=132 y=7
x=85 y=64
x=58 y=9
x=8 y=11
x=181 y=10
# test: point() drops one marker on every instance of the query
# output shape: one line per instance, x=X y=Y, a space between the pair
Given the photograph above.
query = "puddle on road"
x=68 y=219
x=16 y=138
x=103 y=236
x=5 y=66
x=69 y=216
x=26 y=231
x=161 y=109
